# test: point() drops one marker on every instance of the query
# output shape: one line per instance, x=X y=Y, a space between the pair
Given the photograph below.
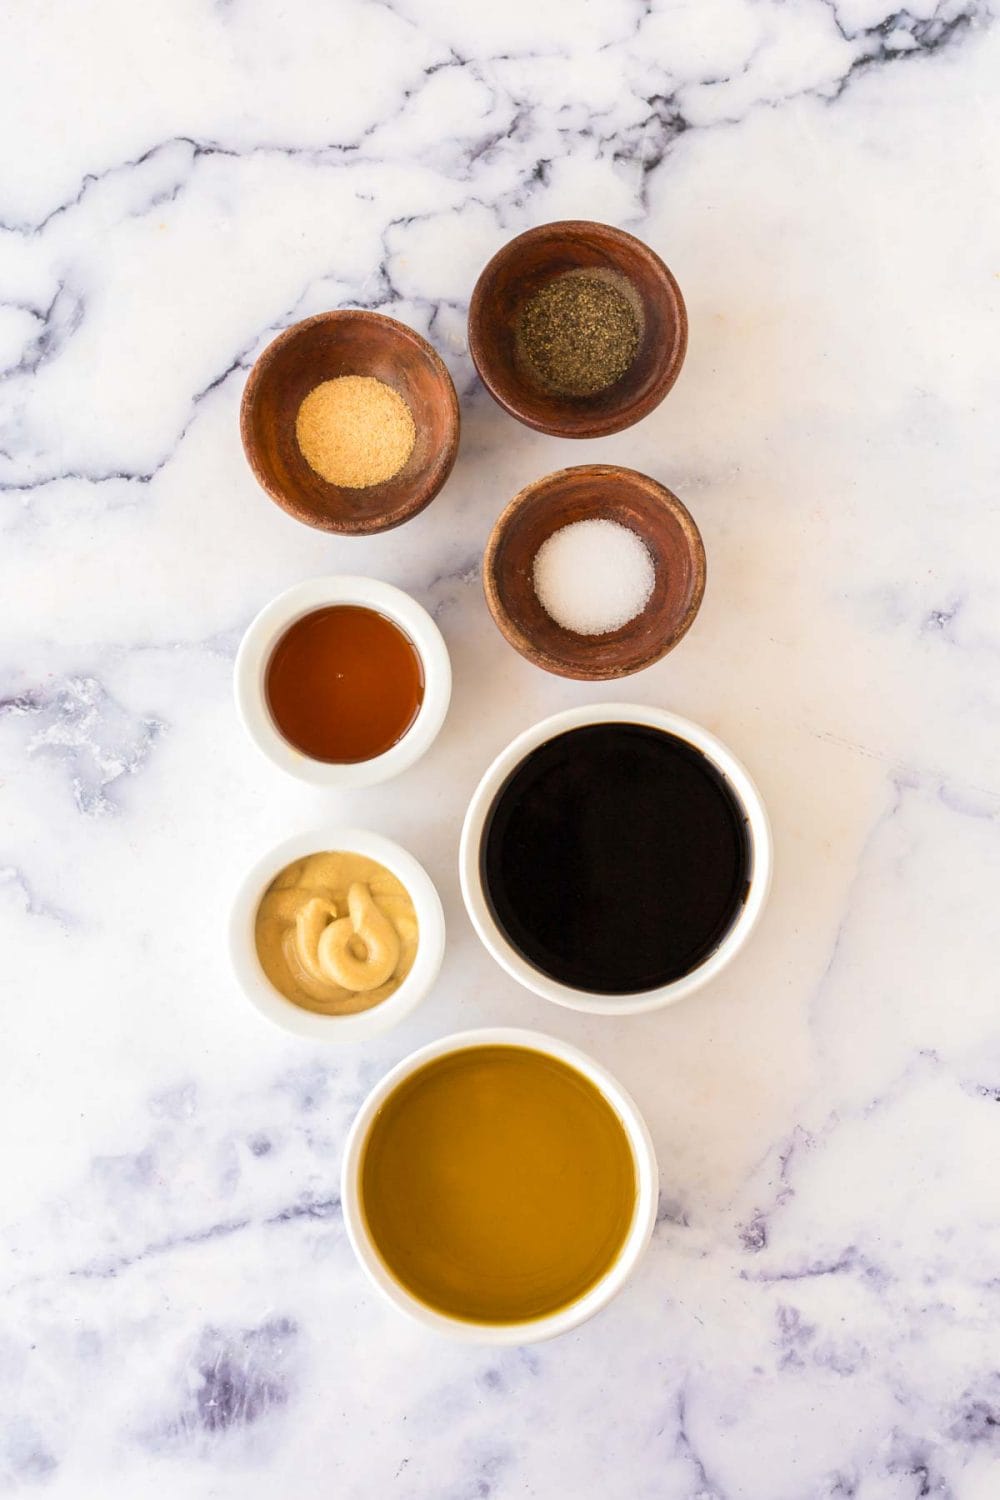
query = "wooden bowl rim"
x=523 y=643
x=630 y=412
x=432 y=479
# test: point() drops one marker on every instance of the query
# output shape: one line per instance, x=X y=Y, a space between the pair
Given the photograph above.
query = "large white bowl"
x=610 y=1284
x=482 y=802
x=363 y=1024
x=319 y=593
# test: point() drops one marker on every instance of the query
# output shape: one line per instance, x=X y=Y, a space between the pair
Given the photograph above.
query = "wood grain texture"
x=520 y=270
x=595 y=492
x=325 y=347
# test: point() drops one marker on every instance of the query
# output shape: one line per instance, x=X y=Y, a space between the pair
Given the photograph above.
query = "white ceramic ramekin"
x=611 y=1282
x=363 y=1023
x=482 y=802
x=318 y=593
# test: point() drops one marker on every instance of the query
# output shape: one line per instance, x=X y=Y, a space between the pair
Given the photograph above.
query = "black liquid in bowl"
x=616 y=858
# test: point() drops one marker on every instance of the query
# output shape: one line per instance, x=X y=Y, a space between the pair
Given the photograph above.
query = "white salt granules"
x=593 y=576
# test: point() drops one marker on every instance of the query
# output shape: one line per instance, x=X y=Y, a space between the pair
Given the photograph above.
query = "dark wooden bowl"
x=323 y=348
x=525 y=265
x=595 y=492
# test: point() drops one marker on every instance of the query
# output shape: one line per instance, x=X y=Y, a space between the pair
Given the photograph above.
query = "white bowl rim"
x=362 y=1024
x=482 y=919
x=302 y=599
x=613 y=1280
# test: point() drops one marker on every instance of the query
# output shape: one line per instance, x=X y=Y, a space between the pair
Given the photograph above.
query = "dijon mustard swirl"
x=336 y=932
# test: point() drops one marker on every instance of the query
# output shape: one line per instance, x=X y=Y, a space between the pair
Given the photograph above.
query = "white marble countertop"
x=818 y=1315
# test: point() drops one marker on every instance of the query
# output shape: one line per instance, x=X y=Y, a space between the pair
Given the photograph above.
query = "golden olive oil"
x=498 y=1184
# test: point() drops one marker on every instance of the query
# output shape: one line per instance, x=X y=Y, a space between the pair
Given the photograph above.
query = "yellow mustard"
x=336 y=932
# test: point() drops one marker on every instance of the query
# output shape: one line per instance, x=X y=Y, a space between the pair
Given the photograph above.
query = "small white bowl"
x=610 y=1284
x=363 y=1024
x=479 y=809
x=318 y=593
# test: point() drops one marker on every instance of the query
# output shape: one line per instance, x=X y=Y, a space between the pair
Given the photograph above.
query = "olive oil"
x=498 y=1184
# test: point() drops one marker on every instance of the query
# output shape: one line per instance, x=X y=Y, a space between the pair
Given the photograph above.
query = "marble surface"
x=818 y=1314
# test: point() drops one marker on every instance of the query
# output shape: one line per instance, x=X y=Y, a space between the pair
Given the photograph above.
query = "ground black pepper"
x=578 y=334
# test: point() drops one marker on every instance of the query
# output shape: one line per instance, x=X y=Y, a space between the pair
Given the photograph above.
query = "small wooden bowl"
x=525 y=265
x=323 y=348
x=594 y=492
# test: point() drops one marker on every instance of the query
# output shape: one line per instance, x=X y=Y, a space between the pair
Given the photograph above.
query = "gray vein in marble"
x=970 y=799
x=850 y=1262
x=853 y=1260
x=707 y=1488
x=903 y=31
x=58 y=322
x=79 y=723
x=242 y=1376
x=142 y=476
x=754 y=1234
x=902 y=37
x=441 y=591
x=112 y=1266
x=796 y=1344
x=938 y=620
x=190 y=151
x=910 y=1457
x=899 y=36
x=16 y=882
x=671 y=1211
x=306 y=1207
x=978 y=1419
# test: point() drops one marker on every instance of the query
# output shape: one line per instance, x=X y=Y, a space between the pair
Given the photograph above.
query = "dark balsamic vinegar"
x=615 y=858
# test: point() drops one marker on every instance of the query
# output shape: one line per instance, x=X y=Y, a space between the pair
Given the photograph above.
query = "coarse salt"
x=593 y=576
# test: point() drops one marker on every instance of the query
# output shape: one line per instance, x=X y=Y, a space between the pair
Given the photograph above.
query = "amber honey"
x=344 y=684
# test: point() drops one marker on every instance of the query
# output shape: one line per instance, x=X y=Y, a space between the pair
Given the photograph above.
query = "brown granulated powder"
x=355 y=431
